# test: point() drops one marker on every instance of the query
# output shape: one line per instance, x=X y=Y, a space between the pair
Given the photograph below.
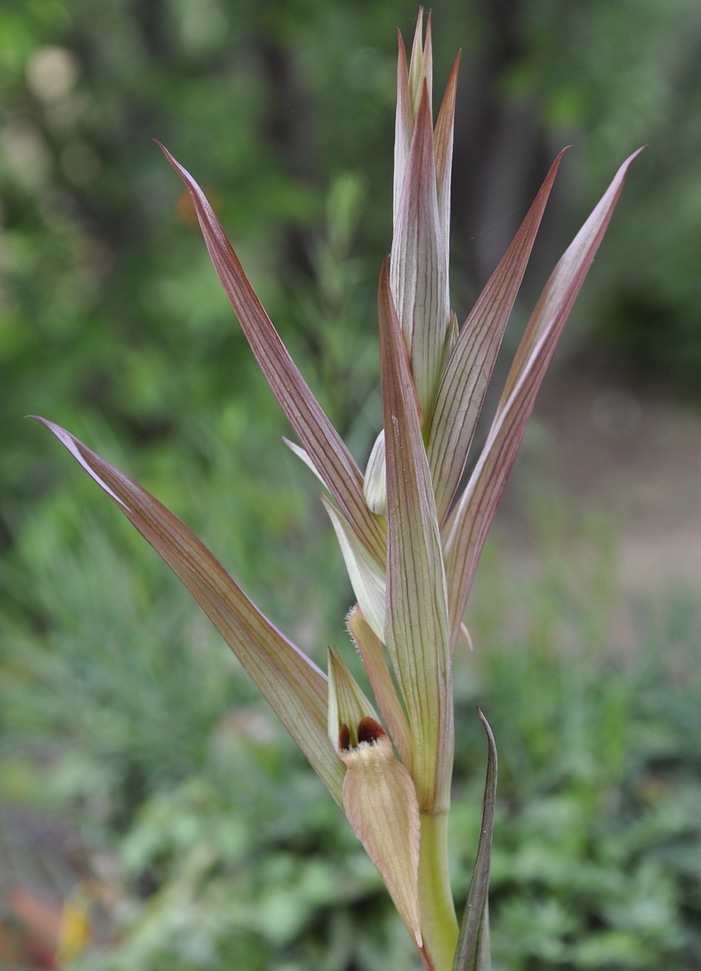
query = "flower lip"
x=368 y=732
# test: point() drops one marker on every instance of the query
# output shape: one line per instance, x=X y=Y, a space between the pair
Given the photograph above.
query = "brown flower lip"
x=368 y=731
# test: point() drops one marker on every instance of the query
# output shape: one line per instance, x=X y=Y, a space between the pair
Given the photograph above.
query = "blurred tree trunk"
x=501 y=147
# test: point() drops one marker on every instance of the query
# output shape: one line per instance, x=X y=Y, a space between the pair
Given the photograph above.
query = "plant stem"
x=439 y=924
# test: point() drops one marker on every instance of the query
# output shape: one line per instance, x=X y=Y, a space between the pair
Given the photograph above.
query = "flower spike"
x=409 y=538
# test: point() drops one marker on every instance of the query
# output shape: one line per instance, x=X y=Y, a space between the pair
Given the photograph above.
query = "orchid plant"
x=409 y=534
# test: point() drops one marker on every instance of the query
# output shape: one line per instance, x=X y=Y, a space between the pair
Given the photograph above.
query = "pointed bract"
x=470 y=519
x=326 y=449
x=417 y=620
x=443 y=151
x=403 y=126
x=410 y=83
x=421 y=62
x=419 y=263
x=290 y=682
x=466 y=376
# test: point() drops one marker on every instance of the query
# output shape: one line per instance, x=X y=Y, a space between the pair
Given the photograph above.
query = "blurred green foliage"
x=598 y=843
x=119 y=708
x=107 y=302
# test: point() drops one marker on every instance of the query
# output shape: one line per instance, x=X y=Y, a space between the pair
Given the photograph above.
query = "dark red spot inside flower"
x=343 y=738
x=369 y=730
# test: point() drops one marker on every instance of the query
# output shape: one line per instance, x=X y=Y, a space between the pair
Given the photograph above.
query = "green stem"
x=439 y=924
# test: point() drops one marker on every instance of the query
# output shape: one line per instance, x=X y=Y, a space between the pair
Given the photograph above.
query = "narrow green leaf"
x=291 y=683
x=417 y=622
x=469 y=521
x=469 y=369
x=326 y=449
x=472 y=953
